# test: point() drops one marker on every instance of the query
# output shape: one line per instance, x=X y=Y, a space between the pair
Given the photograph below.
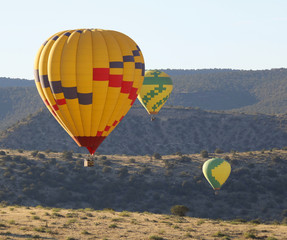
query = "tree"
x=179 y=210
x=157 y=156
x=204 y=154
x=67 y=155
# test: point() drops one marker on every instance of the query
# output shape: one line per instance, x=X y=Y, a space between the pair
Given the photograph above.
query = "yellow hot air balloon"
x=216 y=172
x=89 y=79
x=155 y=91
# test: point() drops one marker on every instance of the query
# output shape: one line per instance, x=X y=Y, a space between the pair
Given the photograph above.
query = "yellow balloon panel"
x=89 y=78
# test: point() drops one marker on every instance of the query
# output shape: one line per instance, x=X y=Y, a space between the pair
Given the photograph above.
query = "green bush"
x=179 y=210
x=156 y=156
x=218 y=150
x=2 y=153
x=178 y=153
x=132 y=160
x=204 y=154
x=34 y=153
x=276 y=159
x=123 y=172
x=103 y=158
x=154 y=237
x=67 y=155
x=41 y=156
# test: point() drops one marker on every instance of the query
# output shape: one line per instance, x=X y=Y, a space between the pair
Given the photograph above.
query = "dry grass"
x=42 y=223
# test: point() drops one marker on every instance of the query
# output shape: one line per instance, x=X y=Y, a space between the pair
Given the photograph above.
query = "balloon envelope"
x=216 y=171
x=89 y=79
x=155 y=91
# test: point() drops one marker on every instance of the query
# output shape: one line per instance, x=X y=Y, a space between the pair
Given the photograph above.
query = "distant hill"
x=256 y=189
x=17 y=103
x=175 y=129
x=262 y=91
x=15 y=82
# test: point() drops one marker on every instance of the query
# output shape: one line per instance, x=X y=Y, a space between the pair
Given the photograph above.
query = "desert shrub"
x=218 y=150
x=178 y=153
x=250 y=234
x=179 y=210
x=185 y=159
x=221 y=234
x=107 y=162
x=52 y=161
x=145 y=170
x=241 y=171
x=132 y=160
x=67 y=155
x=41 y=156
x=113 y=225
x=184 y=174
x=154 y=237
x=156 y=156
x=227 y=158
x=106 y=169
x=20 y=150
x=204 y=153
x=2 y=153
x=7 y=158
x=284 y=221
x=284 y=213
x=276 y=159
x=168 y=164
x=103 y=158
x=256 y=221
x=34 y=153
x=168 y=173
x=123 y=172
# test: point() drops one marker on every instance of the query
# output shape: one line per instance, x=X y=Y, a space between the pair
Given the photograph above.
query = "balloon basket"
x=89 y=163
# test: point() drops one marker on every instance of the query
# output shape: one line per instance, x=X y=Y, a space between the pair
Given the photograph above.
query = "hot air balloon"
x=155 y=91
x=216 y=171
x=89 y=79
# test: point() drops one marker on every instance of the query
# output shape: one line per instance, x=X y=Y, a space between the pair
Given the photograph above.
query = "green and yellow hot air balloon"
x=155 y=91
x=216 y=171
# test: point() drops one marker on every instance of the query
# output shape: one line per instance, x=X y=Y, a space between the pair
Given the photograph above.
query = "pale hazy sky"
x=180 y=34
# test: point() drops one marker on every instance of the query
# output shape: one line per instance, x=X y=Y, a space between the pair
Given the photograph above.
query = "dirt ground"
x=43 y=223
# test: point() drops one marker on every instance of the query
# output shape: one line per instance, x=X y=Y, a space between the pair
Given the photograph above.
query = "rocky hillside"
x=261 y=91
x=256 y=188
x=175 y=129
x=17 y=103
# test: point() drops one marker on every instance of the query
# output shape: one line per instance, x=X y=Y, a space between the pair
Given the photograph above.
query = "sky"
x=175 y=34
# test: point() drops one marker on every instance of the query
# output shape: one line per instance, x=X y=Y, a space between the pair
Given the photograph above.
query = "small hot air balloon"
x=155 y=91
x=89 y=79
x=216 y=171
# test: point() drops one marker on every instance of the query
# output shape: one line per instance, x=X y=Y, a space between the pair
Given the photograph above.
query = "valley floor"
x=52 y=223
